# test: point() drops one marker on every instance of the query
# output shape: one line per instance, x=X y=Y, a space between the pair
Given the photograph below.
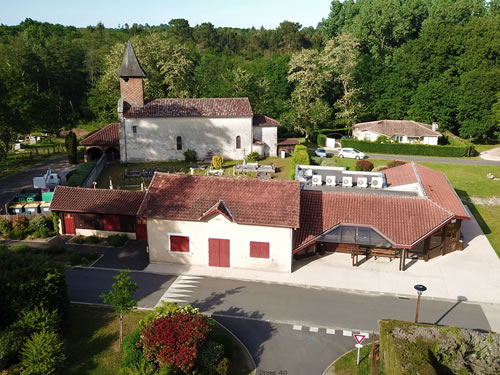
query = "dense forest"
x=425 y=60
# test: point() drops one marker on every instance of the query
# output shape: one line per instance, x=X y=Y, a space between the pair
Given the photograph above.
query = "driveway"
x=493 y=154
x=13 y=184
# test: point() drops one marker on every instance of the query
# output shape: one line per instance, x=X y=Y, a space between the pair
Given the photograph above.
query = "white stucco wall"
x=280 y=243
x=363 y=135
x=270 y=138
x=430 y=140
x=156 y=138
x=101 y=233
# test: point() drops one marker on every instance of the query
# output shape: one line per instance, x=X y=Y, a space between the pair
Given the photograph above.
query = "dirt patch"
x=490 y=201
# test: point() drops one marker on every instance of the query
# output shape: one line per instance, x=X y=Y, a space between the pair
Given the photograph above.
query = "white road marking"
x=347 y=333
x=179 y=291
x=297 y=328
x=330 y=331
x=313 y=329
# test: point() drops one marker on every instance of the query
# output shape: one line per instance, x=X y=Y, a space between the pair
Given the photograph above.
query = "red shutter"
x=179 y=244
x=259 y=249
x=111 y=222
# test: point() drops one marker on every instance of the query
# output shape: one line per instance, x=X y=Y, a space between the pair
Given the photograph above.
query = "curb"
x=317 y=287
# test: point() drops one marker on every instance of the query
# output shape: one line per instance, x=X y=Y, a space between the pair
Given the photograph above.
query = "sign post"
x=359 y=340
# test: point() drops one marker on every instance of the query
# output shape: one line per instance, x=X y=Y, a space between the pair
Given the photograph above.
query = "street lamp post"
x=420 y=289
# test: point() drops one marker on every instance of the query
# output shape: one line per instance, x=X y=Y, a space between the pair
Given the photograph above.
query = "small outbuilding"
x=103 y=141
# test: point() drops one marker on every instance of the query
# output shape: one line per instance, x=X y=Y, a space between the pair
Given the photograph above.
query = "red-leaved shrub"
x=174 y=340
x=364 y=165
x=395 y=163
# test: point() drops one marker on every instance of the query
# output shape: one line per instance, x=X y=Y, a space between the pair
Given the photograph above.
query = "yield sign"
x=359 y=338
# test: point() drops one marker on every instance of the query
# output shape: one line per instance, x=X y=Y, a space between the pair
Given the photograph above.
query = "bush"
x=92 y=239
x=5 y=227
x=406 y=148
x=55 y=250
x=223 y=366
x=132 y=355
x=39 y=223
x=79 y=240
x=364 y=165
x=217 y=161
x=55 y=221
x=209 y=355
x=299 y=157
x=321 y=140
x=395 y=163
x=37 y=320
x=21 y=223
x=43 y=353
x=15 y=234
x=253 y=157
x=117 y=240
x=190 y=156
x=174 y=340
x=79 y=175
x=12 y=340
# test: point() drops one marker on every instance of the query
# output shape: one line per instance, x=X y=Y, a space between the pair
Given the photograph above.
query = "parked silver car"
x=351 y=153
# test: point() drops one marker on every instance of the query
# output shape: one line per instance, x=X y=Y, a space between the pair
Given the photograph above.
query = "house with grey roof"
x=163 y=129
x=402 y=131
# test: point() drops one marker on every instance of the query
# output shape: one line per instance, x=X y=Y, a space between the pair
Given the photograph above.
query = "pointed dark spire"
x=130 y=65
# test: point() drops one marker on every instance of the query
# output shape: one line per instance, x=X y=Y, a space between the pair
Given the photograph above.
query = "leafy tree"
x=180 y=30
x=121 y=296
x=341 y=55
x=71 y=147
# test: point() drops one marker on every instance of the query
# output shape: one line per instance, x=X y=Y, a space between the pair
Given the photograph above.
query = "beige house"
x=163 y=129
x=221 y=222
x=402 y=131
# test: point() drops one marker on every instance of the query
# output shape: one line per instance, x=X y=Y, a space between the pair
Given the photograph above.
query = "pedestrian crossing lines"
x=328 y=331
x=180 y=290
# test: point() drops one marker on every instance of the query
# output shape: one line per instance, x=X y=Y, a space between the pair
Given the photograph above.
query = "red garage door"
x=218 y=252
x=141 y=230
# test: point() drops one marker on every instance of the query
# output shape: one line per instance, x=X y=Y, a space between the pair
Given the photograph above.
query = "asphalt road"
x=427 y=159
x=13 y=184
x=288 y=329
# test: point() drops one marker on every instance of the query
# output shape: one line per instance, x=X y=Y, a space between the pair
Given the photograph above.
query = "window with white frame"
x=179 y=244
x=259 y=249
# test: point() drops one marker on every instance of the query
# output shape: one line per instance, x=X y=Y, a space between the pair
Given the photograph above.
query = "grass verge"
x=92 y=347
x=346 y=365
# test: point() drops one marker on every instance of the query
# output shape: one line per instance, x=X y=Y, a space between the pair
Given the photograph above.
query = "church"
x=163 y=129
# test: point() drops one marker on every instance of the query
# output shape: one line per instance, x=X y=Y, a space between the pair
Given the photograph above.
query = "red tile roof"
x=435 y=185
x=439 y=190
x=250 y=201
x=263 y=120
x=287 y=141
x=390 y=128
x=108 y=135
x=400 y=175
x=218 y=208
x=202 y=107
x=97 y=201
x=403 y=220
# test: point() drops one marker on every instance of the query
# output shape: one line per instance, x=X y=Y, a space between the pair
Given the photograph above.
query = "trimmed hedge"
x=406 y=148
x=79 y=175
x=299 y=157
x=321 y=140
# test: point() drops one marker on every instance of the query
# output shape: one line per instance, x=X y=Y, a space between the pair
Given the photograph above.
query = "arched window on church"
x=238 y=142
x=179 y=143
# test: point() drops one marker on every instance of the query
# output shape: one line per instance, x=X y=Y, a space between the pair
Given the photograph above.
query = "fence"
x=15 y=217
x=95 y=172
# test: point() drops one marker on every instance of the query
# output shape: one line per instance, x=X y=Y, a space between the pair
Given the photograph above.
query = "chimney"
x=131 y=80
x=434 y=126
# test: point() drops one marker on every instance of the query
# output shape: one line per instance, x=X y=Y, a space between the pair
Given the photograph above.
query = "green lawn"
x=92 y=348
x=20 y=161
x=346 y=365
x=481 y=148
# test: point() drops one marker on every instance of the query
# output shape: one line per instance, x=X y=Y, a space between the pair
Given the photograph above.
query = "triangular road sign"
x=359 y=338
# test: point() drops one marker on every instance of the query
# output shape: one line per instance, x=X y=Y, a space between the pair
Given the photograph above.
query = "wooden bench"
x=384 y=253
x=355 y=253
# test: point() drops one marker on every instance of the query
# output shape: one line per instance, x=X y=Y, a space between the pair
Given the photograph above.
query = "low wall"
x=95 y=172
